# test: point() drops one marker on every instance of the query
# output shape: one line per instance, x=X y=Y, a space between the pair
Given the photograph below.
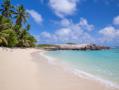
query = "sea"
x=100 y=65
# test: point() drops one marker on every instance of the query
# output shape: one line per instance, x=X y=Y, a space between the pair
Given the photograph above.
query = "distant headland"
x=73 y=47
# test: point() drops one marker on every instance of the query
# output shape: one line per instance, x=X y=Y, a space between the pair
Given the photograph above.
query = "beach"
x=28 y=69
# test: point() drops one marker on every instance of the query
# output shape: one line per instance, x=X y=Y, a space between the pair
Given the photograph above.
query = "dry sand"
x=26 y=69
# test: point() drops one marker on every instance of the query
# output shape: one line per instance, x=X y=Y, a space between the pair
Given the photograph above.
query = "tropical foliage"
x=14 y=29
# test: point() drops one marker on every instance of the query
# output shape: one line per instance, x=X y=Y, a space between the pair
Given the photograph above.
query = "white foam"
x=50 y=59
x=86 y=75
x=81 y=73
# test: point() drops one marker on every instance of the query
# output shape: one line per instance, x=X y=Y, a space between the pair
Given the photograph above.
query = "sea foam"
x=80 y=73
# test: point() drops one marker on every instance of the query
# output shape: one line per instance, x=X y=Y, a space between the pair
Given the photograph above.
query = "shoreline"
x=80 y=73
x=26 y=69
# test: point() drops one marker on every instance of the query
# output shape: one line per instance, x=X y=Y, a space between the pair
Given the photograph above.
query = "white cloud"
x=46 y=34
x=116 y=20
x=80 y=32
x=109 y=34
x=63 y=7
x=35 y=15
x=71 y=32
x=65 y=22
x=85 y=25
x=109 y=31
x=63 y=32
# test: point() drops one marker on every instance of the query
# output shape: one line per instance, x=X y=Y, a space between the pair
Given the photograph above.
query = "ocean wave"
x=89 y=76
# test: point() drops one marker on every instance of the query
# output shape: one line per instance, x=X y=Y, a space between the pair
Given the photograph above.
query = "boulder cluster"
x=77 y=47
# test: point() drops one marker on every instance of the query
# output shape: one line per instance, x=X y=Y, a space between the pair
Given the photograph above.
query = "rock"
x=77 y=47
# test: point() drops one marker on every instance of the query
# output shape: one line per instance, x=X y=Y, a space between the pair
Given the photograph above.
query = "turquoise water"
x=103 y=64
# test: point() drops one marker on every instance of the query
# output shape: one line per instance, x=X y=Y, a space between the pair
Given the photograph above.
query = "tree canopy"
x=12 y=32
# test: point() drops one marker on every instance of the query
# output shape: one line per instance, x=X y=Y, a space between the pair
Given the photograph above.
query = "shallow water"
x=103 y=64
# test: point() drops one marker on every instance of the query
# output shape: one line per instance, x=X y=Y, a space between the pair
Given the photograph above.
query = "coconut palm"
x=4 y=23
x=26 y=40
x=11 y=34
x=3 y=40
x=8 y=38
x=32 y=41
x=28 y=27
x=21 y=15
x=6 y=8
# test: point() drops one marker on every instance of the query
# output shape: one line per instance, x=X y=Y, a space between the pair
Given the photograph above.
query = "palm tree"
x=32 y=40
x=8 y=38
x=3 y=40
x=26 y=40
x=11 y=34
x=7 y=8
x=28 y=27
x=4 y=23
x=21 y=15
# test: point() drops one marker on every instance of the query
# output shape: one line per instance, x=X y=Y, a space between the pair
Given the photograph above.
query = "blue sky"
x=78 y=21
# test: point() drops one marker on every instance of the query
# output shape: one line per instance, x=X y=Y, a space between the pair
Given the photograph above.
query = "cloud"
x=85 y=25
x=80 y=32
x=36 y=16
x=46 y=34
x=63 y=7
x=64 y=35
x=109 y=34
x=116 y=20
x=109 y=31
x=71 y=32
x=65 y=22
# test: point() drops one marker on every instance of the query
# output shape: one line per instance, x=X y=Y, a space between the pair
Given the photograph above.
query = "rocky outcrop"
x=77 y=47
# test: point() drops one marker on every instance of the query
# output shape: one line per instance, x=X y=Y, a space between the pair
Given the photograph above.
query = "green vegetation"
x=71 y=43
x=45 y=45
x=14 y=29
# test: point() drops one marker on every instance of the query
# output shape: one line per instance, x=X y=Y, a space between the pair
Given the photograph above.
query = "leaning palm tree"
x=31 y=40
x=21 y=15
x=7 y=8
x=25 y=39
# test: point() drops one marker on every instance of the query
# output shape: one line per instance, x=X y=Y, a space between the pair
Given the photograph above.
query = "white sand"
x=20 y=71
x=17 y=70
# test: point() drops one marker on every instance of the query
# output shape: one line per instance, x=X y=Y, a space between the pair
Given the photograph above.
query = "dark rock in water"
x=77 y=47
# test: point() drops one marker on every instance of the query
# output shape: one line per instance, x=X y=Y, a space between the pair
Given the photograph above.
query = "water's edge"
x=80 y=73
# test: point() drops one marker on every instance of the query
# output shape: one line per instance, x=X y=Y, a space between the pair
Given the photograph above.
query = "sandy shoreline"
x=26 y=69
